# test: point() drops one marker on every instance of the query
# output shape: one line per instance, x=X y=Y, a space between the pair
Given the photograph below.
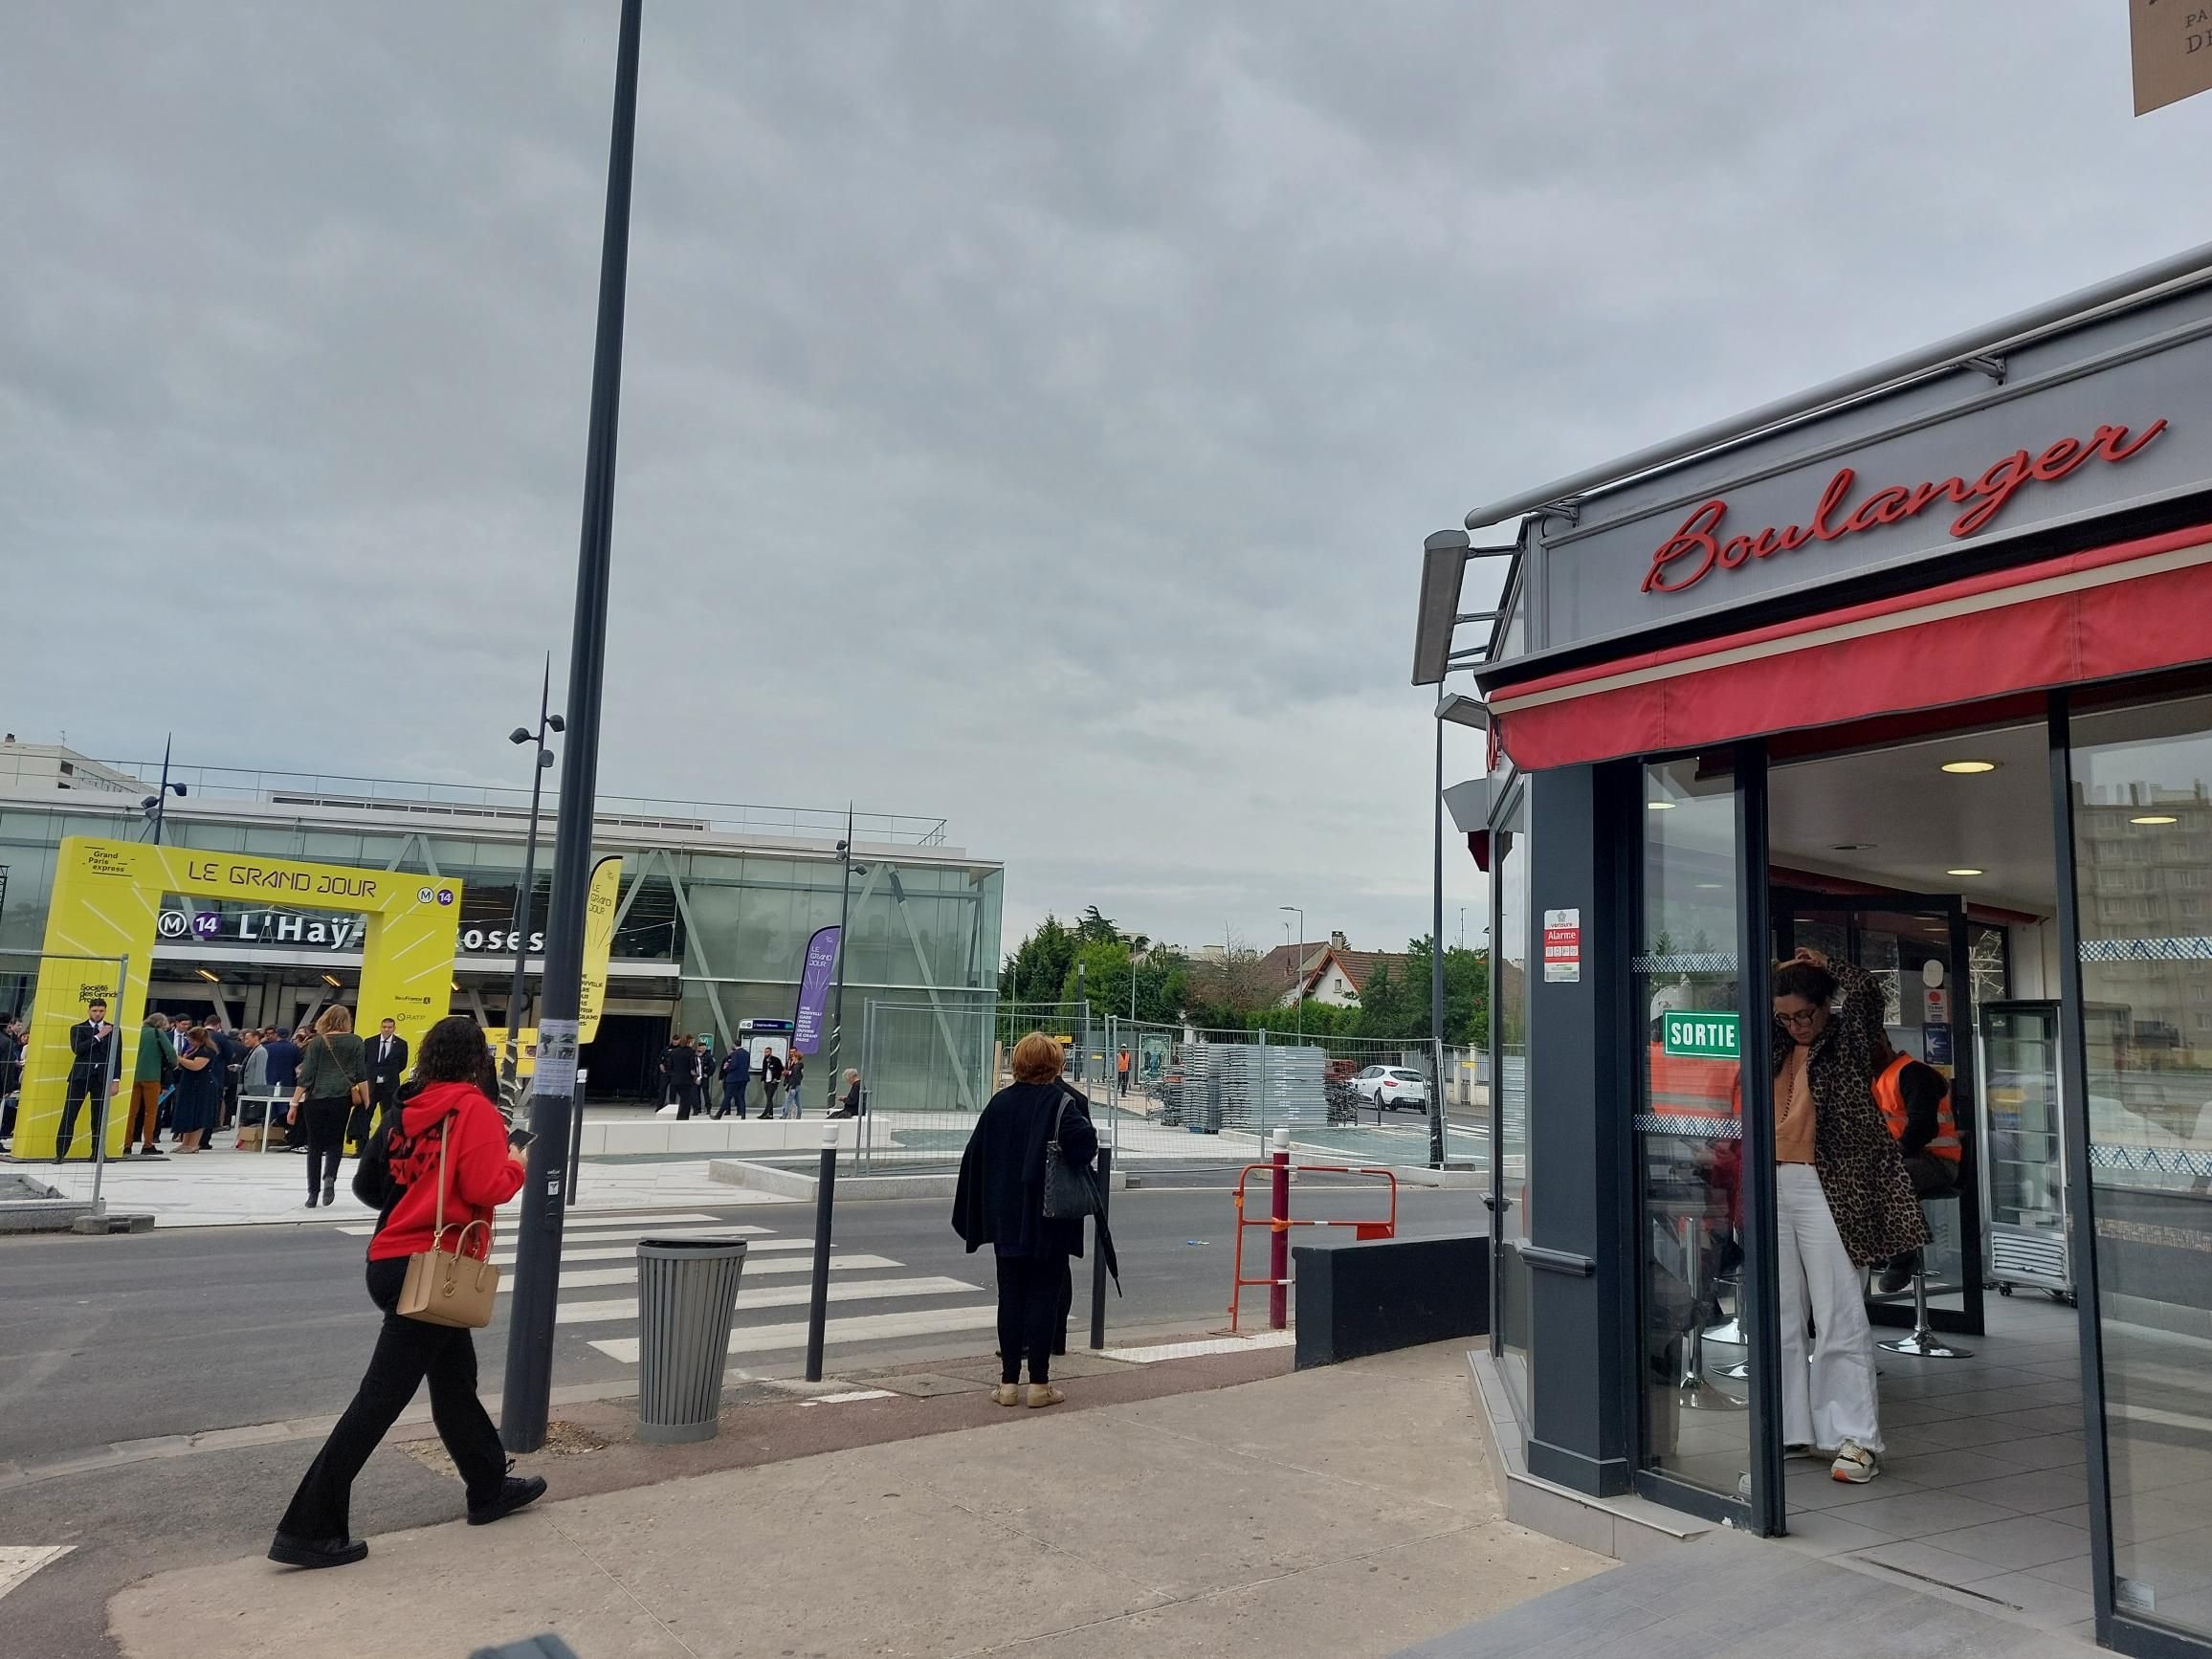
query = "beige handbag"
x=447 y=1287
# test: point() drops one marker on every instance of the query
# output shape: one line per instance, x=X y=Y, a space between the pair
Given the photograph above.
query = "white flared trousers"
x=1828 y=1395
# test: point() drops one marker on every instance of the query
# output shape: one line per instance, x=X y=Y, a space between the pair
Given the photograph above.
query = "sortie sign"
x=1698 y=1035
x=1697 y=549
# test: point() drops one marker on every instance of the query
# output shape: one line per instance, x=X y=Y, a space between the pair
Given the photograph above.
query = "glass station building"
x=717 y=902
x=1915 y=669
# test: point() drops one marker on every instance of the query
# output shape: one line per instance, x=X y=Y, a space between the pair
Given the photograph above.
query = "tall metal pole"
x=524 y=894
x=1298 y=967
x=1436 y=970
x=162 y=800
x=837 y=1015
x=529 y=1379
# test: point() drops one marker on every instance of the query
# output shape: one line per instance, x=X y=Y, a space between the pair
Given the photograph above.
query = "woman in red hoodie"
x=447 y=1102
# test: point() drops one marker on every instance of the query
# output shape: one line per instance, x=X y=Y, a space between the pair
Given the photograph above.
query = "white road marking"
x=1192 y=1350
x=784 y=1265
x=18 y=1562
x=863 y=1328
x=591 y=1250
x=572 y=1227
x=850 y=1394
x=778 y=1296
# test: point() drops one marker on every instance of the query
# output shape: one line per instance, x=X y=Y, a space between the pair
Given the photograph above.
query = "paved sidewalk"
x=222 y=1187
x=1338 y=1512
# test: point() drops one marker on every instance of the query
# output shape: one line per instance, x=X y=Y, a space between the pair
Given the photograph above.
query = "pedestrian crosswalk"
x=871 y=1298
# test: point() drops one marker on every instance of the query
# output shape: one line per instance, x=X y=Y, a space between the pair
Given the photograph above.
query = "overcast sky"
x=1031 y=414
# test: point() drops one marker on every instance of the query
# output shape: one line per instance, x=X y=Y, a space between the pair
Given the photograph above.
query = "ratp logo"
x=172 y=924
x=422 y=896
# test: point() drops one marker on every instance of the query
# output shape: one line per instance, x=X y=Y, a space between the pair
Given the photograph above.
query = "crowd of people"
x=317 y=1087
x=689 y=1072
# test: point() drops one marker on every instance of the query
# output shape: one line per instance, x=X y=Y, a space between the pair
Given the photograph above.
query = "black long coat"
x=1000 y=1198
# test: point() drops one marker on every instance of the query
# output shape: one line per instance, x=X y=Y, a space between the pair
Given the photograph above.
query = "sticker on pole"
x=1562 y=947
x=1692 y=1034
x=555 y=1069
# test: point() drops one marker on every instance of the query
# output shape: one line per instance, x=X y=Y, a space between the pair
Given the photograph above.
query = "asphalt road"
x=178 y=1332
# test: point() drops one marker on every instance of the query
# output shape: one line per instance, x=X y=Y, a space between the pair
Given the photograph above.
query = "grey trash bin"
x=687 y=1294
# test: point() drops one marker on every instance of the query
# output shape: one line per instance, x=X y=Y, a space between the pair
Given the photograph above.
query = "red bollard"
x=1279 y=1237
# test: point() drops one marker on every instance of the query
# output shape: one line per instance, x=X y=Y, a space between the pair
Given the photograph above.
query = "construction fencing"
x=1161 y=1094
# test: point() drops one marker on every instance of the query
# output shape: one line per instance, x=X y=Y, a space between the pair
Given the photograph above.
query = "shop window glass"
x=2142 y=799
x=1689 y=1133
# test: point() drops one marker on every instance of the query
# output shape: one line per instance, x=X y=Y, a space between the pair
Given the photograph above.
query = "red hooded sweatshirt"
x=479 y=1173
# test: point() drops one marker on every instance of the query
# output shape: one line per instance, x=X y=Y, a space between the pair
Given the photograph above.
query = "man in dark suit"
x=92 y=1075
x=386 y=1066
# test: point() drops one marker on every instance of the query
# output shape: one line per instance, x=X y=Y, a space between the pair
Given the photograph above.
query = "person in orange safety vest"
x=1915 y=1103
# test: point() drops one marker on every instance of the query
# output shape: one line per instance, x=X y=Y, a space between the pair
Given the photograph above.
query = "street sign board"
x=2171 y=44
x=1705 y=1034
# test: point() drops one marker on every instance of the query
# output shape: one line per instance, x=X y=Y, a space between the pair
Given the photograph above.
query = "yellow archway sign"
x=107 y=900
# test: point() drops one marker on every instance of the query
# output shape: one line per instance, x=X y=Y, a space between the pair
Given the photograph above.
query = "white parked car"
x=1392 y=1086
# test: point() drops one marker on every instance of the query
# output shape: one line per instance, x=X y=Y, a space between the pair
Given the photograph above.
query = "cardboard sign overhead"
x=2171 y=41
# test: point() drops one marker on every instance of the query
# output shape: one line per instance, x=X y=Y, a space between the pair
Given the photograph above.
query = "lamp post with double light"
x=547 y=721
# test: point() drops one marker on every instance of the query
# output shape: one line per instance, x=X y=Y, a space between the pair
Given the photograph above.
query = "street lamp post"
x=837 y=1015
x=547 y=721
x=527 y=1394
x=1298 y=966
x=152 y=805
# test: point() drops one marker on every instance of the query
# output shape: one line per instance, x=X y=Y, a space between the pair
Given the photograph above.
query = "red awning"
x=2088 y=616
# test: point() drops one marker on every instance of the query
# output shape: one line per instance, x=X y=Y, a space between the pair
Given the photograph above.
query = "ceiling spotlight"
x=331 y=982
x=1969 y=768
x=1964 y=871
x=1659 y=806
x=211 y=979
x=1712 y=887
x=2154 y=818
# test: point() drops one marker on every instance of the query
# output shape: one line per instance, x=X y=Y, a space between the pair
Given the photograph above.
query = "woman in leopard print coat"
x=1859 y=1167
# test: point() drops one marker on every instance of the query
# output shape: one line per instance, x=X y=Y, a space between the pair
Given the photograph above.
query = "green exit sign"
x=1710 y=1036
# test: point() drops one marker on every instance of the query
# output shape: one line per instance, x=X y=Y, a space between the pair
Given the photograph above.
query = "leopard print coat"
x=1862 y=1172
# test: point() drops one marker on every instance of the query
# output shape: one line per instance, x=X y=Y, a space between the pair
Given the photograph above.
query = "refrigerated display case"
x=2023 y=1189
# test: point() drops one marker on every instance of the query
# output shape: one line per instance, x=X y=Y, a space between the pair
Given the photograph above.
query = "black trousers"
x=325 y=1123
x=80 y=1089
x=1032 y=1314
x=407 y=1352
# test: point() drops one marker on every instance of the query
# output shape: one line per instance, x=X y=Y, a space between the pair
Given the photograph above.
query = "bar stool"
x=1923 y=1344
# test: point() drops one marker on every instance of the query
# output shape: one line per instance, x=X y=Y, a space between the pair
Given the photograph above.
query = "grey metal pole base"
x=677 y=1433
x=1922 y=1344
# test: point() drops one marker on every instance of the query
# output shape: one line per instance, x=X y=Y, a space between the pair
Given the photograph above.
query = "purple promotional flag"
x=814 y=991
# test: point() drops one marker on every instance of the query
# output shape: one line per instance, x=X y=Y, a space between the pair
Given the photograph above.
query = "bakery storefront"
x=1916 y=672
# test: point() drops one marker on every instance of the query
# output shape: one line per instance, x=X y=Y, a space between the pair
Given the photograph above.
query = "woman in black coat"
x=1001 y=1201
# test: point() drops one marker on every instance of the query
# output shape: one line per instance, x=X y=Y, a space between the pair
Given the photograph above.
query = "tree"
x=1394 y=1004
x=1039 y=965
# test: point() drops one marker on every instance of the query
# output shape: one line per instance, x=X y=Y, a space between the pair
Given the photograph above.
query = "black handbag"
x=1070 y=1190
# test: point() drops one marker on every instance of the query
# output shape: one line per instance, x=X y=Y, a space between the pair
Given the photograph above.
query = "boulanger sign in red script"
x=1694 y=551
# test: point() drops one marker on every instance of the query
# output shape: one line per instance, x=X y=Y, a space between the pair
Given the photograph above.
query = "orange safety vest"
x=1890 y=1096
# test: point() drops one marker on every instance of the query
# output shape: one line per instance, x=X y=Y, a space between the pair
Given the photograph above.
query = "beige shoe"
x=1042 y=1394
x=1006 y=1394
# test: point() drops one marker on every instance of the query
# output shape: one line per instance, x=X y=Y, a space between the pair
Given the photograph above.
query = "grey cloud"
x=1030 y=413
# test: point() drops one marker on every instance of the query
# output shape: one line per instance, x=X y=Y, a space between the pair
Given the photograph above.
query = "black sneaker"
x=293 y=1551
x=518 y=1491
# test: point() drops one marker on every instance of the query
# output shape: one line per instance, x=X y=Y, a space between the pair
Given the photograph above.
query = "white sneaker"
x=1854 y=1464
